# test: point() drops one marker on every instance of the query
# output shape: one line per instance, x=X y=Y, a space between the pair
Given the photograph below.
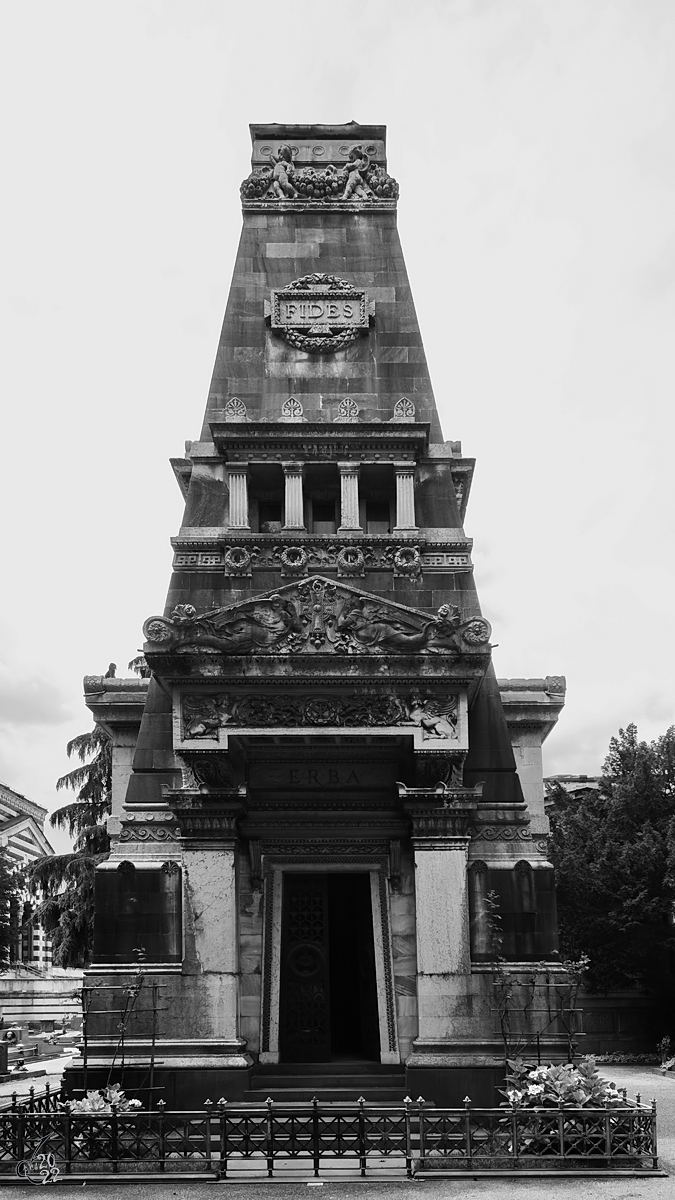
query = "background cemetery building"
x=22 y=837
x=317 y=790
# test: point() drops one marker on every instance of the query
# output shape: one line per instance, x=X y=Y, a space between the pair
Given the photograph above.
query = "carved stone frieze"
x=148 y=833
x=351 y=560
x=201 y=815
x=440 y=822
x=503 y=833
x=358 y=180
x=203 y=716
x=317 y=616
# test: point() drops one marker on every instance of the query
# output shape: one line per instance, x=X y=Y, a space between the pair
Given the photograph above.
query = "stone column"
x=440 y=836
x=237 y=474
x=349 y=497
x=294 y=516
x=405 y=497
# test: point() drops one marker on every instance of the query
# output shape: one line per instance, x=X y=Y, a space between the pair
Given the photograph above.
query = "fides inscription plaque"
x=304 y=310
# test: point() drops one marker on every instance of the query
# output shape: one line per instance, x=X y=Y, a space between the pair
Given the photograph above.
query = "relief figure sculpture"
x=372 y=626
x=436 y=718
x=282 y=176
x=356 y=167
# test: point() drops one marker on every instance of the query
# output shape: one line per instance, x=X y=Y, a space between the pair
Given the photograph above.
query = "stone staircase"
x=340 y=1082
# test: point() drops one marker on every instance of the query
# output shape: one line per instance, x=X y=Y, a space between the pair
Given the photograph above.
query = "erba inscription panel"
x=308 y=777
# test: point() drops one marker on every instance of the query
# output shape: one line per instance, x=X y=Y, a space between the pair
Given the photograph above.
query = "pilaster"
x=405 y=497
x=349 y=498
x=294 y=518
x=238 y=480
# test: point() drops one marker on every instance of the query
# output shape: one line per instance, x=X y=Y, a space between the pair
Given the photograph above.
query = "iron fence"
x=229 y=1141
x=47 y=1100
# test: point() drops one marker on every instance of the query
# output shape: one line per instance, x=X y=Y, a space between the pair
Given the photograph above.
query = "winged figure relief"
x=437 y=717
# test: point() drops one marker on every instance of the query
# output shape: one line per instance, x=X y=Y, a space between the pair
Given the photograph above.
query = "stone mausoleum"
x=322 y=780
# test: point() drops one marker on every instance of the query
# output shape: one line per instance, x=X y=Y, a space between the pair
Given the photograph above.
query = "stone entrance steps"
x=343 y=1082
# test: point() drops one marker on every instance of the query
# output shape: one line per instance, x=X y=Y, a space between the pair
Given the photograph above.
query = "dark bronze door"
x=305 y=994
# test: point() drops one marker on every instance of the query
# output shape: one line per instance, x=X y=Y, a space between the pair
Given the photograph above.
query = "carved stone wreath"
x=351 y=561
x=320 y=338
x=407 y=561
x=237 y=561
x=294 y=560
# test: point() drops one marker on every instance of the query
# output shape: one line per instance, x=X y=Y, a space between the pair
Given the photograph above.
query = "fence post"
x=514 y=1133
x=316 y=1149
x=68 y=1139
x=408 y=1138
x=114 y=1135
x=161 y=1105
x=13 y=1101
x=561 y=1131
x=608 y=1138
x=47 y=1097
x=208 y=1105
x=19 y=1135
x=467 y=1128
x=655 y=1157
x=420 y=1109
x=362 y=1137
x=270 y=1137
x=222 y=1111
x=31 y=1099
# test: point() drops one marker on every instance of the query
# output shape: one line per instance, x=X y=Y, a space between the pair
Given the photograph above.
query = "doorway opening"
x=328 y=1001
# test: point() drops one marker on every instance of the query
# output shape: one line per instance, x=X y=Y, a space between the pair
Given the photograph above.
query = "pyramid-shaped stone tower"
x=323 y=790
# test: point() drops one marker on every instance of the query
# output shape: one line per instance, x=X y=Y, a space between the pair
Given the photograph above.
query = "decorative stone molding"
x=204 y=816
x=358 y=180
x=318 y=615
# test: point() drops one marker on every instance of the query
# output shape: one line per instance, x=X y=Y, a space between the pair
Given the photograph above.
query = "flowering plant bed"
x=555 y=1117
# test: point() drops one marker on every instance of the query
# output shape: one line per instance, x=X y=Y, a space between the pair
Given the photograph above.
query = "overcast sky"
x=534 y=144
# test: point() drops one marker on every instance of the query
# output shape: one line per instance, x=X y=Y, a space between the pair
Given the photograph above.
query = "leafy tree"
x=66 y=881
x=614 y=854
x=8 y=909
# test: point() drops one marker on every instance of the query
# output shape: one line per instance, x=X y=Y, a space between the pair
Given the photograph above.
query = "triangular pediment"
x=316 y=615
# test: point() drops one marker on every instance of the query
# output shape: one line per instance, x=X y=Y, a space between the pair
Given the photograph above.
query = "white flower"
x=535 y=1089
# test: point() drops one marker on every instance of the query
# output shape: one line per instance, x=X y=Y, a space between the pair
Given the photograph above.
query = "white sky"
x=533 y=141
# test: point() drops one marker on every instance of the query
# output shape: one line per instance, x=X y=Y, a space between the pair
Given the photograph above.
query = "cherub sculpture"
x=356 y=168
x=282 y=176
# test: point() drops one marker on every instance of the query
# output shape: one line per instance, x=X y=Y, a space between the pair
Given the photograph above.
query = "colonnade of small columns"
x=294 y=522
